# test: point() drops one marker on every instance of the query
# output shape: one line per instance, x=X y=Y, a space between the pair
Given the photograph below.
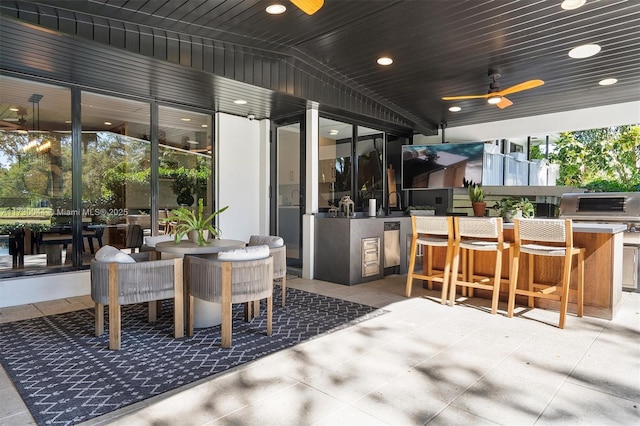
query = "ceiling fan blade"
x=504 y=103
x=308 y=6
x=520 y=87
x=454 y=98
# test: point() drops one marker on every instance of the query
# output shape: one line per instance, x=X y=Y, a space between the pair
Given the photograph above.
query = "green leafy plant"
x=187 y=220
x=476 y=193
x=510 y=205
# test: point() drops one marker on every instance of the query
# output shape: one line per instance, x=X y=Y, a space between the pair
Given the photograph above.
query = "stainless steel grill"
x=617 y=207
x=611 y=207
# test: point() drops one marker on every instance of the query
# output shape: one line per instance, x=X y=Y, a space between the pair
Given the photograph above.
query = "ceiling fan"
x=495 y=96
x=308 y=6
x=19 y=118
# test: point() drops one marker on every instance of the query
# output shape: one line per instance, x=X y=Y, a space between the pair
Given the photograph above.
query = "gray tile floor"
x=421 y=363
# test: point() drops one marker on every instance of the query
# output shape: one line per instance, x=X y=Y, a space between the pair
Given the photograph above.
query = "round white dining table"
x=205 y=314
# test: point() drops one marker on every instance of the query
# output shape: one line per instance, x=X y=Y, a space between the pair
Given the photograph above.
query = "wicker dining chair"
x=237 y=276
x=121 y=279
x=278 y=250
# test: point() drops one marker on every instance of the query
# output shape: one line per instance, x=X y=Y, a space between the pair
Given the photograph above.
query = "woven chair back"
x=545 y=230
x=479 y=227
x=433 y=225
x=250 y=279
x=137 y=282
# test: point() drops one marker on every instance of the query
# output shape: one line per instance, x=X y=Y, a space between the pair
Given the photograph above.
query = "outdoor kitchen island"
x=603 y=243
x=357 y=250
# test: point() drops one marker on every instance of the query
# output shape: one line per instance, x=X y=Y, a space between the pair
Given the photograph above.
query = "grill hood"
x=602 y=206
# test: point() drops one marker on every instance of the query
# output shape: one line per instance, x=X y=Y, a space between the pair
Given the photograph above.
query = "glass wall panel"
x=116 y=172
x=394 y=172
x=35 y=174
x=492 y=166
x=335 y=168
x=369 y=151
x=289 y=214
x=185 y=158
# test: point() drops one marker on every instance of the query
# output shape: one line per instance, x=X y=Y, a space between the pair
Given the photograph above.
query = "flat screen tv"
x=447 y=165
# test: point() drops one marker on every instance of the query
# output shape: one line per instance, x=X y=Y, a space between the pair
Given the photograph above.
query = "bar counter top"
x=590 y=227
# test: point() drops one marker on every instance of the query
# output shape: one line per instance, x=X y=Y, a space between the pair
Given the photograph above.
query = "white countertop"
x=588 y=227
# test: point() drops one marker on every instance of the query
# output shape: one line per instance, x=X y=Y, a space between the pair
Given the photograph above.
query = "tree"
x=605 y=159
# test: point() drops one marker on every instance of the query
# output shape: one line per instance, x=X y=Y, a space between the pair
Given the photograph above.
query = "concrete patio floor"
x=420 y=363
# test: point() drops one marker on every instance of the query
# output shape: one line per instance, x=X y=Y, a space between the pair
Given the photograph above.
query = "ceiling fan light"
x=584 y=51
x=276 y=9
x=607 y=82
x=572 y=4
x=495 y=99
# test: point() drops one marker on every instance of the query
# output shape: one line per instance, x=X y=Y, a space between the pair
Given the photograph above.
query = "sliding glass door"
x=289 y=188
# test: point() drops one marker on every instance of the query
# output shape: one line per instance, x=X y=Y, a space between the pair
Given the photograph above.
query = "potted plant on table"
x=476 y=195
x=193 y=223
x=512 y=207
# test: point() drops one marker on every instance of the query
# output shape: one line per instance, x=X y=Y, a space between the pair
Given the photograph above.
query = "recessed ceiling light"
x=572 y=4
x=584 y=51
x=185 y=119
x=385 y=61
x=455 y=109
x=240 y=102
x=608 y=81
x=14 y=109
x=275 y=9
x=107 y=123
x=67 y=122
x=333 y=132
x=205 y=125
x=494 y=99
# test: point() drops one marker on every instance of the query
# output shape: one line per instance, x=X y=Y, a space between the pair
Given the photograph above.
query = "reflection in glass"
x=116 y=173
x=185 y=139
x=369 y=149
x=35 y=174
x=394 y=171
x=334 y=180
x=288 y=191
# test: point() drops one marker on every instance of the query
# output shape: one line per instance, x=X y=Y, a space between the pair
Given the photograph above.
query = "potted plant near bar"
x=512 y=207
x=194 y=223
x=476 y=195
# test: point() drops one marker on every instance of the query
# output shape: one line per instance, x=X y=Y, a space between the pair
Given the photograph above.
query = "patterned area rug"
x=66 y=375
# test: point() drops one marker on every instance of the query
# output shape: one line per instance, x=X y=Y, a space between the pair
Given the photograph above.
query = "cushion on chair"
x=112 y=254
x=245 y=253
x=271 y=240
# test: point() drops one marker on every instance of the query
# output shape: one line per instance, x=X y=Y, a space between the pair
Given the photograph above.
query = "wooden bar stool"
x=431 y=231
x=478 y=234
x=556 y=236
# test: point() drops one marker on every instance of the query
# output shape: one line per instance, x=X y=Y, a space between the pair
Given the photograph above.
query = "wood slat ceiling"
x=440 y=48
